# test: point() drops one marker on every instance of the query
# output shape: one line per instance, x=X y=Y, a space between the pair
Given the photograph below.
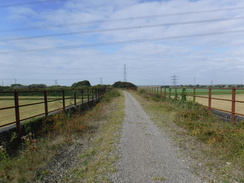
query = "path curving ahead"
x=146 y=153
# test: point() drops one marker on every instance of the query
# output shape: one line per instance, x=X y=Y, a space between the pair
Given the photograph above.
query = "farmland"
x=229 y=100
x=224 y=105
x=8 y=115
x=17 y=106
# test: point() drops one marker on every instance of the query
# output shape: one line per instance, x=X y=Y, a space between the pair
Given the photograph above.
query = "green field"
x=8 y=115
x=216 y=93
x=199 y=91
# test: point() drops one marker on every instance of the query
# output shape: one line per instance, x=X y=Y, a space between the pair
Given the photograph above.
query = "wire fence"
x=227 y=100
x=17 y=106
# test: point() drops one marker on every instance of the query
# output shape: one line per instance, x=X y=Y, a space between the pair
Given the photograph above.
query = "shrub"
x=110 y=95
x=120 y=84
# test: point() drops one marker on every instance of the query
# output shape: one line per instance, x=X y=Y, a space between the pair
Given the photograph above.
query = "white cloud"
x=205 y=57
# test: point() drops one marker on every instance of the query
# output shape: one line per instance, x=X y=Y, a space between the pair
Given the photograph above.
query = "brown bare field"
x=224 y=105
x=8 y=115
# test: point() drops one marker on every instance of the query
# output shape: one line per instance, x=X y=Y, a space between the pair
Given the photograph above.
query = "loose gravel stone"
x=146 y=152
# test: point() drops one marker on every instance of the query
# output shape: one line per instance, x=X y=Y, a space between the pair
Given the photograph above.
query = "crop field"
x=218 y=93
x=204 y=91
x=8 y=115
x=224 y=93
x=223 y=105
x=199 y=91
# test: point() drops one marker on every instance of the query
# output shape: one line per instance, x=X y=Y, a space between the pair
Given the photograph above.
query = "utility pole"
x=125 y=73
x=174 y=80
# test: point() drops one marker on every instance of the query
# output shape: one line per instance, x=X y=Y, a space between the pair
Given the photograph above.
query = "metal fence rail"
x=47 y=97
x=204 y=93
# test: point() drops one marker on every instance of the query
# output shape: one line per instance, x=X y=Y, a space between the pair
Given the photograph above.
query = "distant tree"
x=37 y=86
x=15 y=85
x=99 y=86
x=5 y=88
x=120 y=84
x=84 y=83
x=18 y=86
x=57 y=87
x=21 y=87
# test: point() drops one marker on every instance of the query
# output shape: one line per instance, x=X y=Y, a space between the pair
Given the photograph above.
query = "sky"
x=145 y=42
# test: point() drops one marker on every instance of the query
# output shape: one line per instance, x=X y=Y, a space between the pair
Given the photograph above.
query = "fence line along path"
x=18 y=106
x=146 y=153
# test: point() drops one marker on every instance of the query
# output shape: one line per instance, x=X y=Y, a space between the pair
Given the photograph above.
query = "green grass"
x=97 y=162
x=199 y=91
x=216 y=144
x=101 y=124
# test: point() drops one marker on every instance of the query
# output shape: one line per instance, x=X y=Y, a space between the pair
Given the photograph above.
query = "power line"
x=28 y=3
x=174 y=80
x=119 y=29
x=124 y=19
x=127 y=41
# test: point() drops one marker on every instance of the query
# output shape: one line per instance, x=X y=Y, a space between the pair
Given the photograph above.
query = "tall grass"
x=225 y=139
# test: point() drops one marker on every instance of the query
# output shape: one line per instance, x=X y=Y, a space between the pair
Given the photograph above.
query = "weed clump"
x=113 y=93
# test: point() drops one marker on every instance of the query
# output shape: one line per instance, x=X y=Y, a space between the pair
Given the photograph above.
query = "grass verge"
x=94 y=133
x=216 y=147
x=98 y=161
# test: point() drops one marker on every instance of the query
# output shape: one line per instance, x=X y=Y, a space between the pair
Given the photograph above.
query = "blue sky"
x=214 y=58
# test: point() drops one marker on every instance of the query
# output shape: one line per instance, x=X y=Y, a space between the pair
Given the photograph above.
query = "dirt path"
x=146 y=153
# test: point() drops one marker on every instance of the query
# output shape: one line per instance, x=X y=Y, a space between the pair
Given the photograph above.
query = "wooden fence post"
x=82 y=96
x=17 y=115
x=63 y=98
x=74 y=97
x=209 y=98
x=194 y=95
x=165 y=93
x=233 y=108
x=92 y=95
x=169 y=93
x=45 y=102
x=176 y=94
x=88 y=97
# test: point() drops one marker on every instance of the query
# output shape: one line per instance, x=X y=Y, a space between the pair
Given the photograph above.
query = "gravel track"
x=146 y=152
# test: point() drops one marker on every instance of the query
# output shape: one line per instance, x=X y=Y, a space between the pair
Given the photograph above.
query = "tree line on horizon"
x=76 y=85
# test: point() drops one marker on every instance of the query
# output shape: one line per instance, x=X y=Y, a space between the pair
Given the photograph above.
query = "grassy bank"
x=217 y=147
x=93 y=133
